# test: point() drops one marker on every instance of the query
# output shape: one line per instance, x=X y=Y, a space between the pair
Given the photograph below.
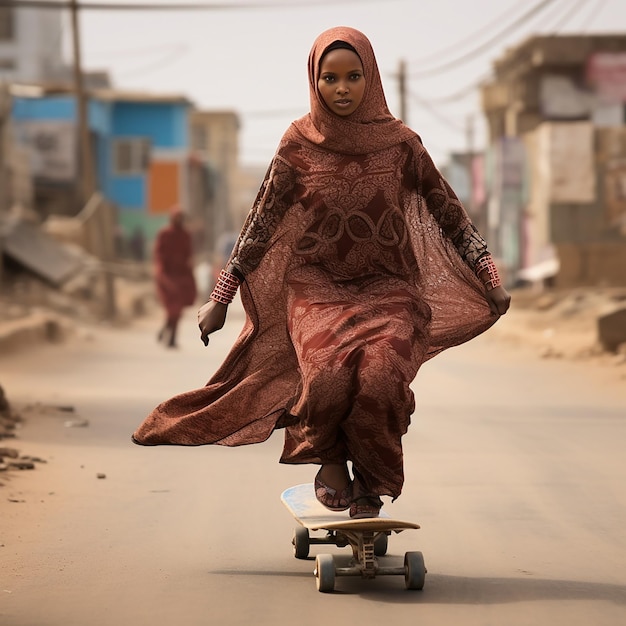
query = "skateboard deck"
x=304 y=506
x=366 y=536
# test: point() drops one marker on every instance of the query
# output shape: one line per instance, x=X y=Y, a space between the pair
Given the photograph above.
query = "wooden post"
x=471 y=208
x=87 y=186
x=402 y=91
x=85 y=161
x=5 y=114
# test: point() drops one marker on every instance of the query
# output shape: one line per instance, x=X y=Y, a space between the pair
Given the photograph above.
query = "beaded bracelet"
x=486 y=263
x=225 y=288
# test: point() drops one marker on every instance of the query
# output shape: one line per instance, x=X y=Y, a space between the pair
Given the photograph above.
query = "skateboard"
x=368 y=538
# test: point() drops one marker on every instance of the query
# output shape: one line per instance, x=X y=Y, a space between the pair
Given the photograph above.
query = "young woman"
x=357 y=263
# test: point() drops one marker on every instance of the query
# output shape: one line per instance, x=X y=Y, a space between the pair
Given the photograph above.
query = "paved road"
x=515 y=470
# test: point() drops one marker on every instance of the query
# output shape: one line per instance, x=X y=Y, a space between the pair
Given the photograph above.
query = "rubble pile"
x=8 y=418
x=573 y=324
x=10 y=458
x=79 y=298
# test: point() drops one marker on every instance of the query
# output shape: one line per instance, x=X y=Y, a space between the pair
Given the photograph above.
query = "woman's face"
x=341 y=82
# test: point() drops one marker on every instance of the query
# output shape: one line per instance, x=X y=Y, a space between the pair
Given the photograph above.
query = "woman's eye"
x=355 y=76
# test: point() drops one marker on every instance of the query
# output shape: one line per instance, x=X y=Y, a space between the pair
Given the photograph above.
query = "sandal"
x=331 y=498
x=365 y=506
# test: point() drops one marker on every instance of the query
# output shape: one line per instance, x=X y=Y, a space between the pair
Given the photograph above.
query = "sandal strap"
x=370 y=500
x=332 y=498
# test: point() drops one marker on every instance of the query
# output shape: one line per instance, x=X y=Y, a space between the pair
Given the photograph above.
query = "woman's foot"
x=365 y=506
x=339 y=496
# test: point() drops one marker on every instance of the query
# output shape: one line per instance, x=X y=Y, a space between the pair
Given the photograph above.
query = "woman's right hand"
x=211 y=317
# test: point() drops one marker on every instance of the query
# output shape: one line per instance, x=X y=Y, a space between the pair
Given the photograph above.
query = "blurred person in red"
x=175 y=282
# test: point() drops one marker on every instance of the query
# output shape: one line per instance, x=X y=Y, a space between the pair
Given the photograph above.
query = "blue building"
x=140 y=147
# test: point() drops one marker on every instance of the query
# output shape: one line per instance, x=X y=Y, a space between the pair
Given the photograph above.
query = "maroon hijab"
x=371 y=127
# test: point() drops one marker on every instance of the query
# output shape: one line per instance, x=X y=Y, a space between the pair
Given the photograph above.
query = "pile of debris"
x=10 y=458
x=44 y=267
x=580 y=324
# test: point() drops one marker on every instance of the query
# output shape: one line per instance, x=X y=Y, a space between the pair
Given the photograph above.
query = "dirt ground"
x=563 y=325
x=555 y=324
x=550 y=325
x=518 y=489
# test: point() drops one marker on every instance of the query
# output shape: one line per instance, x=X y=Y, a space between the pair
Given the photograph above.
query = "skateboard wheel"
x=301 y=542
x=380 y=544
x=414 y=570
x=325 y=572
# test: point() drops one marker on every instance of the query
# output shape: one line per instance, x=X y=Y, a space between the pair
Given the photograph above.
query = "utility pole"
x=86 y=184
x=5 y=113
x=469 y=129
x=402 y=91
x=86 y=180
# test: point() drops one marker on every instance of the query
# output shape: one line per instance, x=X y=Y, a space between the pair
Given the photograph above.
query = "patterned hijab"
x=371 y=127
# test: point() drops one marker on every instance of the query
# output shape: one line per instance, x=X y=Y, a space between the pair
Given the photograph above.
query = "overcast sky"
x=253 y=60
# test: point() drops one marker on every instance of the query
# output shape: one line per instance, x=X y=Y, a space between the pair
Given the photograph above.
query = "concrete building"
x=30 y=44
x=140 y=151
x=465 y=171
x=556 y=114
x=214 y=137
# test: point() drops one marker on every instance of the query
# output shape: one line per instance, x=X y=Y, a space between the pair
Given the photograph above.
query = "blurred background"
x=113 y=112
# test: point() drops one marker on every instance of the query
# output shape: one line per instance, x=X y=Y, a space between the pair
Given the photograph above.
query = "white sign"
x=51 y=147
x=562 y=99
x=568 y=152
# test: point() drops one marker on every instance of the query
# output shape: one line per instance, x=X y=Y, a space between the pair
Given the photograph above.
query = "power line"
x=167 y=58
x=187 y=6
x=142 y=51
x=520 y=21
x=568 y=16
x=466 y=91
x=426 y=105
x=275 y=113
x=469 y=39
x=430 y=104
x=595 y=11
x=462 y=93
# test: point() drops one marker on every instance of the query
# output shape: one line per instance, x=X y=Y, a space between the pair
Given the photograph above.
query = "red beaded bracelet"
x=225 y=288
x=486 y=263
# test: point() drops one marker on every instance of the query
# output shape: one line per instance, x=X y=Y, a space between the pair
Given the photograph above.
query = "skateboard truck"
x=367 y=537
x=364 y=562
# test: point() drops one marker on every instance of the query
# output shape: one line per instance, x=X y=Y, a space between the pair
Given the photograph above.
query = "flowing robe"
x=358 y=269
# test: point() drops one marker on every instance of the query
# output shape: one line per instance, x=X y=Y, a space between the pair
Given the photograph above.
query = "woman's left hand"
x=499 y=300
x=211 y=317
